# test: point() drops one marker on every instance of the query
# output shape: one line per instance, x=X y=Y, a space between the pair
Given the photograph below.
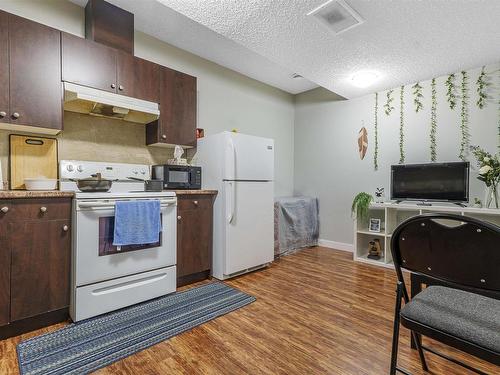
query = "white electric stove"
x=107 y=277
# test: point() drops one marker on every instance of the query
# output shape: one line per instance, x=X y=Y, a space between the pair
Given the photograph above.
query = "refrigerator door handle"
x=231 y=160
x=231 y=193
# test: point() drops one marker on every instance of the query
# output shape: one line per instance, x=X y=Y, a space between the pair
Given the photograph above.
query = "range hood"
x=101 y=103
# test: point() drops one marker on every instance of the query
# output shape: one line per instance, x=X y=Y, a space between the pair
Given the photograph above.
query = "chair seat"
x=468 y=316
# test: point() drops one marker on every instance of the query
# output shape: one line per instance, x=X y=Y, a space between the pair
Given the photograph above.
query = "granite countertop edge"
x=19 y=194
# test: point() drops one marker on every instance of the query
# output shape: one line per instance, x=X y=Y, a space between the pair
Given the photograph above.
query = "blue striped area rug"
x=86 y=346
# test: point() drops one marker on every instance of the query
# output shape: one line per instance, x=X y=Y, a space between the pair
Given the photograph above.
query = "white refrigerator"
x=241 y=168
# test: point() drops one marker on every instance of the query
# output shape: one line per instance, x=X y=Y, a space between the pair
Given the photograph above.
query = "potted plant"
x=489 y=173
x=361 y=204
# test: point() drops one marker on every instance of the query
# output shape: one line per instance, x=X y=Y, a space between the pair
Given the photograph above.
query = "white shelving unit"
x=392 y=214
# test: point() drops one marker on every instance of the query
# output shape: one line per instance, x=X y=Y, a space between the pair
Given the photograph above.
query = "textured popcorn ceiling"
x=404 y=40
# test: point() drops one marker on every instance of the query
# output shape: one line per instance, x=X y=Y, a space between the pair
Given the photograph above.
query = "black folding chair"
x=460 y=256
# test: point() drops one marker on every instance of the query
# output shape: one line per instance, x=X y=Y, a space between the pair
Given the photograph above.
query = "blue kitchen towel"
x=137 y=222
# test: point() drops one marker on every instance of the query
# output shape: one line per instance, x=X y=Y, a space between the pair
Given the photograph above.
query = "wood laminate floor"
x=317 y=312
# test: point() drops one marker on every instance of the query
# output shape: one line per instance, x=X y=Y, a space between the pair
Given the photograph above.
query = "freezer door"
x=248 y=157
x=249 y=225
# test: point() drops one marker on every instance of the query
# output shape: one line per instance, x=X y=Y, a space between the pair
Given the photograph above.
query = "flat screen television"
x=440 y=182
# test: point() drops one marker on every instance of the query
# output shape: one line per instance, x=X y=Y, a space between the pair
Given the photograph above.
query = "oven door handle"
x=94 y=204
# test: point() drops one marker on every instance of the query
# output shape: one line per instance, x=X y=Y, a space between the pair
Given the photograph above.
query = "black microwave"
x=178 y=176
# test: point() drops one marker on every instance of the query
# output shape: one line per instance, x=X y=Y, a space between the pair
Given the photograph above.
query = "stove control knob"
x=79 y=168
x=143 y=172
x=135 y=172
x=70 y=168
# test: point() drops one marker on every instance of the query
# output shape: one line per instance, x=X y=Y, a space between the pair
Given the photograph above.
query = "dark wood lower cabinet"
x=36 y=249
x=194 y=237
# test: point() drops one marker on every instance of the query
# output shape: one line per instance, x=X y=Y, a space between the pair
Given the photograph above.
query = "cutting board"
x=31 y=157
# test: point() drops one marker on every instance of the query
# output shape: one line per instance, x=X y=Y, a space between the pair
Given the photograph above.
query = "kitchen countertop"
x=18 y=194
x=196 y=192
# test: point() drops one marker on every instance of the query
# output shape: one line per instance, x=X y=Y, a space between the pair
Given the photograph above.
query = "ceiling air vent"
x=337 y=16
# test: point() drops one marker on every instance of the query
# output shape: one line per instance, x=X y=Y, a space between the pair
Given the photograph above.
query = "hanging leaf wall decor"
x=451 y=96
x=433 y=121
x=464 y=117
x=482 y=85
x=388 y=104
x=375 y=152
x=418 y=97
x=401 y=127
x=362 y=142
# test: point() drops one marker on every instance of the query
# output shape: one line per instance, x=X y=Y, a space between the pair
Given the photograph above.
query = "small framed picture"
x=374 y=225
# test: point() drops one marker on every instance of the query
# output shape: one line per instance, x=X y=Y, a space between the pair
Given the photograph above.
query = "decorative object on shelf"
x=401 y=126
x=489 y=173
x=375 y=152
x=374 y=249
x=361 y=204
x=433 y=131
x=388 y=107
x=451 y=96
x=200 y=133
x=362 y=142
x=482 y=86
x=478 y=203
x=374 y=225
x=418 y=96
x=464 y=117
x=379 y=195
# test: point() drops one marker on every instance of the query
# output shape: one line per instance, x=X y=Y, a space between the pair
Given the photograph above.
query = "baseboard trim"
x=336 y=245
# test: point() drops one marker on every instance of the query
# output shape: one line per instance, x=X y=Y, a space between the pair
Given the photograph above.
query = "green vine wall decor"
x=418 y=96
x=464 y=117
x=401 y=126
x=451 y=96
x=433 y=120
x=388 y=104
x=375 y=153
x=482 y=85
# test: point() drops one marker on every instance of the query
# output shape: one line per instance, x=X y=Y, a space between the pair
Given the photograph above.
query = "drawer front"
x=45 y=209
x=194 y=202
x=100 y=298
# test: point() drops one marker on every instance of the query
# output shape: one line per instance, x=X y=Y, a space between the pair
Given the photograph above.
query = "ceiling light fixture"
x=364 y=78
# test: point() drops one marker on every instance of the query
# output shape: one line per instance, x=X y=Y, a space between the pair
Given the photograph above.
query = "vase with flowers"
x=489 y=173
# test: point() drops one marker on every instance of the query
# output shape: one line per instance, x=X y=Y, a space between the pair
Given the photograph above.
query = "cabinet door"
x=40 y=274
x=35 y=74
x=194 y=235
x=4 y=67
x=87 y=63
x=177 y=123
x=138 y=78
x=4 y=264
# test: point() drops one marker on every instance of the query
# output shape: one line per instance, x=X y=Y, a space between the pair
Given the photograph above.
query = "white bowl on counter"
x=40 y=183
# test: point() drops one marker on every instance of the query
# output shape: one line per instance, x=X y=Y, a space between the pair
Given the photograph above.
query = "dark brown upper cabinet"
x=88 y=63
x=177 y=123
x=30 y=72
x=137 y=77
x=4 y=68
x=110 y=25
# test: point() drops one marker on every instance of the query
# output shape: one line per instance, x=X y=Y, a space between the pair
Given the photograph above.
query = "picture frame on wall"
x=375 y=225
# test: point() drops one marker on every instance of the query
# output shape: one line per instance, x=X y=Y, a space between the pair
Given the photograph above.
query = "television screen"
x=431 y=182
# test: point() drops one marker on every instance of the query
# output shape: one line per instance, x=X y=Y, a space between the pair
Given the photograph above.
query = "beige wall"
x=226 y=100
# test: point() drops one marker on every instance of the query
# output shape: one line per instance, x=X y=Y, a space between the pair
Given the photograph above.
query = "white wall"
x=227 y=100
x=327 y=164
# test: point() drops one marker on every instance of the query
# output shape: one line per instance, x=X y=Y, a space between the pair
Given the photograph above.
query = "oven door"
x=95 y=259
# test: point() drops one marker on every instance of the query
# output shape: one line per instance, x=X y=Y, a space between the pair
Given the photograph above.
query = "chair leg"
x=417 y=339
x=395 y=333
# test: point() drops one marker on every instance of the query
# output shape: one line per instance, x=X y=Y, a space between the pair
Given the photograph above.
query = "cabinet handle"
x=4 y=209
x=195 y=203
x=179 y=217
x=43 y=209
x=164 y=136
x=120 y=88
x=15 y=115
x=3 y=113
x=113 y=85
x=65 y=228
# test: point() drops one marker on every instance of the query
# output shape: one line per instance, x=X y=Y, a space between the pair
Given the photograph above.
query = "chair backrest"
x=456 y=250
